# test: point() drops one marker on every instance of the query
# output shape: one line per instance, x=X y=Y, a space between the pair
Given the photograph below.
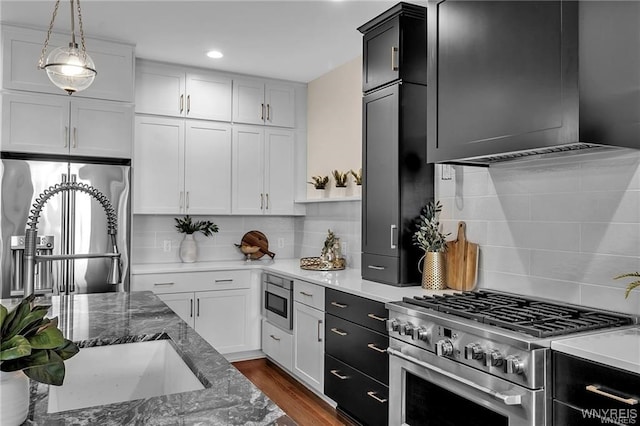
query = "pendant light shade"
x=70 y=68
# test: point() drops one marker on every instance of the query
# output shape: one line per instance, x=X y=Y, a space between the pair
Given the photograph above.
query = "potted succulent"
x=357 y=177
x=631 y=285
x=32 y=347
x=188 y=246
x=340 y=179
x=429 y=238
x=319 y=182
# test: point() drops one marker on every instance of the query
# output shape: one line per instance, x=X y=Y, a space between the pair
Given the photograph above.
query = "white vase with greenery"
x=189 y=247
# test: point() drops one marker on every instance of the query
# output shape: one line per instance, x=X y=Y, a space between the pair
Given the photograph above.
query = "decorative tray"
x=317 y=264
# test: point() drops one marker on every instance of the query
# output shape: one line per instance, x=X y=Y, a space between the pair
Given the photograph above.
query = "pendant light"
x=70 y=68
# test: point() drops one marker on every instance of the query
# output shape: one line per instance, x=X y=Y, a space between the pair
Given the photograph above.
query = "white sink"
x=116 y=373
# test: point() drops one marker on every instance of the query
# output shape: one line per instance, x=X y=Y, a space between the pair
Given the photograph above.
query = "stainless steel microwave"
x=277 y=297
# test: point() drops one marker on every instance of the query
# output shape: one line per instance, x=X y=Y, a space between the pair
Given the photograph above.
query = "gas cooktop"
x=534 y=317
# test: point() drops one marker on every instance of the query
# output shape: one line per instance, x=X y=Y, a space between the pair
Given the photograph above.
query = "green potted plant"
x=357 y=176
x=32 y=347
x=340 y=180
x=631 y=285
x=429 y=238
x=188 y=246
x=319 y=182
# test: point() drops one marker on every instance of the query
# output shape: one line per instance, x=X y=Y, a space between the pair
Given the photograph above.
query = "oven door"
x=277 y=305
x=428 y=390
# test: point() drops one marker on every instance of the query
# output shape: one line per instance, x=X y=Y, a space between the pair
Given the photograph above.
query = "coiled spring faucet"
x=30 y=257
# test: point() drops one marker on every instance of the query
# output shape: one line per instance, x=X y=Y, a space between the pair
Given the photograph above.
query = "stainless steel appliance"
x=482 y=356
x=75 y=223
x=277 y=294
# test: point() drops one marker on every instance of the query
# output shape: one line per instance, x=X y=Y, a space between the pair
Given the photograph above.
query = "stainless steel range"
x=480 y=358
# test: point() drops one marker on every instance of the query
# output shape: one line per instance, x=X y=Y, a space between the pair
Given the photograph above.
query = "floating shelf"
x=329 y=200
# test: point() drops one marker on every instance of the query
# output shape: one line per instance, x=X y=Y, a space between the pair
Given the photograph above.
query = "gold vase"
x=433 y=271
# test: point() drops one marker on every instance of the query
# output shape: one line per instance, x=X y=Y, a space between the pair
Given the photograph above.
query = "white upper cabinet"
x=260 y=102
x=182 y=166
x=263 y=171
x=21 y=49
x=49 y=124
x=175 y=91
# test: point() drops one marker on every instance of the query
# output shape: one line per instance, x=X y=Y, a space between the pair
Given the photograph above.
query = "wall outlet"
x=344 y=246
x=166 y=246
x=280 y=242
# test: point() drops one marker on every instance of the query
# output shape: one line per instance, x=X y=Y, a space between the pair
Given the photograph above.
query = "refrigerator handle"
x=64 y=221
x=72 y=236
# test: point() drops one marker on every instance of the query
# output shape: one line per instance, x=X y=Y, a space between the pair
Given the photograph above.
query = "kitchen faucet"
x=30 y=258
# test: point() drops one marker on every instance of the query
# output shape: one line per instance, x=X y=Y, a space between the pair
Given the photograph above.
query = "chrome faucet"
x=30 y=257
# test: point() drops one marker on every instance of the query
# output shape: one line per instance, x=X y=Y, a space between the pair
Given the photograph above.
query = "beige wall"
x=334 y=120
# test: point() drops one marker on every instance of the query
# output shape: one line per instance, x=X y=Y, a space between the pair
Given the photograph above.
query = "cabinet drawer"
x=565 y=415
x=309 y=294
x=366 y=312
x=357 y=346
x=277 y=345
x=572 y=376
x=358 y=395
x=191 y=281
x=383 y=269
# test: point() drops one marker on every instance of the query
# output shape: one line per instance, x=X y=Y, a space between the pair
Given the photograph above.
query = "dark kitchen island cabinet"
x=396 y=181
x=394 y=47
x=502 y=77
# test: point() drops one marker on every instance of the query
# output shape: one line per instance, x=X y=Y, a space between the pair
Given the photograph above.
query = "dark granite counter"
x=229 y=398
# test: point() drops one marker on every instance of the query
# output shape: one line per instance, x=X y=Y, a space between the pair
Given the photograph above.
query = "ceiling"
x=296 y=40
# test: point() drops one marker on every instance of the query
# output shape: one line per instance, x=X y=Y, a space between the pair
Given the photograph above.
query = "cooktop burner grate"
x=530 y=316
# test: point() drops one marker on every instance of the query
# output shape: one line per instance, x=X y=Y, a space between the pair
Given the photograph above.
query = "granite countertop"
x=618 y=348
x=348 y=280
x=229 y=398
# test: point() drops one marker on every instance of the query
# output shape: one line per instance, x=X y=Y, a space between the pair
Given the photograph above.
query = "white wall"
x=559 y=229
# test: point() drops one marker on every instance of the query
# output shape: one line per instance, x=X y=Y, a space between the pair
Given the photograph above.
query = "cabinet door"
x=279 y=171
x=181 y=303
x=502 y=76
x=160 y=89
x=207 y=168
x=103 y=129
x=381 y=55
x=158 y=165
x=222 y=320
x=380 y=206
x=308 y=346
x=280 y=100
x=248 y=170
x=248 y=101
x=208 y=97
x=35 y=123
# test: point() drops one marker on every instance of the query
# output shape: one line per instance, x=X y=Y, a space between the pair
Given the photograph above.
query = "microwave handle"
x=506 y=399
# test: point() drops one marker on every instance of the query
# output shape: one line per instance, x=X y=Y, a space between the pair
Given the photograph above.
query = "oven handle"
x=506 y=399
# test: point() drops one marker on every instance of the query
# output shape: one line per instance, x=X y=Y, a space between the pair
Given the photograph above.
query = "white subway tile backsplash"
x=534 y=235
x=530 y=286
x=506 y=259
x=611 y=238
x=610 y=298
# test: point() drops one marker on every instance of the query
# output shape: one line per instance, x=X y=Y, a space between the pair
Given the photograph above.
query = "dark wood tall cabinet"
x=396 y=178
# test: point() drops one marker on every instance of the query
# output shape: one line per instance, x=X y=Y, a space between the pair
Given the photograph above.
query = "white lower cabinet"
x=308 y=334
x=277 y=344
x=227 y=316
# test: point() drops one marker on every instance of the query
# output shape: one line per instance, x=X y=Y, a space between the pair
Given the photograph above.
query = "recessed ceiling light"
x=215 y=54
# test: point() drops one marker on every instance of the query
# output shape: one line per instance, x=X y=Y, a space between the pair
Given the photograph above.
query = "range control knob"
x=473 y=351
x=513 y=365
x=444 y=347
x=405 y=328
x=421 y=333
x=494 y=358
x=392 y=325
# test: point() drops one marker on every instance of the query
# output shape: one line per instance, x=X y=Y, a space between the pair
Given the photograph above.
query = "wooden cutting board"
x=258 y=239
x=462 y=261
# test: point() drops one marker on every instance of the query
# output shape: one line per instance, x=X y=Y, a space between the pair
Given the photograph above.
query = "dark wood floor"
x=302 y=405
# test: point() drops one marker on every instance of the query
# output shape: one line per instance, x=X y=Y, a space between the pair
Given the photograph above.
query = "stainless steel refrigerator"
x=71 y=222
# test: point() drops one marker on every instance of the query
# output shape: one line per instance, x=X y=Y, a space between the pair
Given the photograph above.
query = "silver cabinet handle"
x=393 y=240
x=187 y=200
x=373 y=395
x=66 y=136
x=304 y=293
x=377 y=268
x=198 y=307
x=596 y=389
x=181 y=199
x=261 y=201
x=191 y=308
x=339 y=305
x=319 y=325
x=188 y=104
x=75 y=137
x=375 y=317
x=338 y=375
x=261 y=111
x=277 y=339
x=181 y=103
x=228 y=280
x=167 y=283
x=338 y=332
x=268 y=112
x=267 y=196
x=394 y=51
x=377 y=349
x=506 y=399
